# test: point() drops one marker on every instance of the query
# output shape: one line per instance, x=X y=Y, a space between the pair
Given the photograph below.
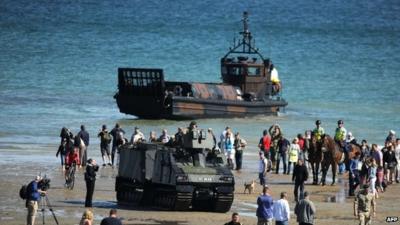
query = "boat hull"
x=147 y=107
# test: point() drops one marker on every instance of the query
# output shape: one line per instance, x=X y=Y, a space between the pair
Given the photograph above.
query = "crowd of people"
x=269 y=210
x=371 y=162
x=371 y=170
x=112 y=219
x=74 y=147
x=35 y=194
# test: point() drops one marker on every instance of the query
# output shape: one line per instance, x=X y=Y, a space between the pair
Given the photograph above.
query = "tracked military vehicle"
x=185 y=174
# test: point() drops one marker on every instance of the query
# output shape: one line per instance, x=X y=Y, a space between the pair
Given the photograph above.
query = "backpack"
x=23 y=192
x=107 y=137
x=119 y=135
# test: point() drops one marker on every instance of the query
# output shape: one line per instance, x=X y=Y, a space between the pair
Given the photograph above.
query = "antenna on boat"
x=245 y=25
x=246 y=44
x=246 y=33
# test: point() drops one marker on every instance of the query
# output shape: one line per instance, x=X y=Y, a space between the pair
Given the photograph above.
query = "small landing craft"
x=250 y=87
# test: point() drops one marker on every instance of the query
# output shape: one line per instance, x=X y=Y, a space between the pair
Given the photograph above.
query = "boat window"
x=236 y=71
x=253 y=71
x=224 y=70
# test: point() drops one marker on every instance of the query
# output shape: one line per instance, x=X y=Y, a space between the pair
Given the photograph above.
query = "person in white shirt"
x=262 y=168
x=397 y=154
x=164 y=138
x=137 y=136
x=282 y=210
x=222 y=138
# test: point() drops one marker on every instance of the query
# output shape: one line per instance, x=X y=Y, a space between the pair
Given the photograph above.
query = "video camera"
x=44 y=184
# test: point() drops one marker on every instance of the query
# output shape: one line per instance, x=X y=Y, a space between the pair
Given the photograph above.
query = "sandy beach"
x=333 y=207
x=60 y=60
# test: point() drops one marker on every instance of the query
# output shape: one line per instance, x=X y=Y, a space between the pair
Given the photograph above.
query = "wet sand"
x=333 y=207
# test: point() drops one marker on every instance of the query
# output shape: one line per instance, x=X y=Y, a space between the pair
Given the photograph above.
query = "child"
x=294 y=151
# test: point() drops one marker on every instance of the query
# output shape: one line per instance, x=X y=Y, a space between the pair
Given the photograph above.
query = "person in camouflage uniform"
x=363 y=203
x=276 y=134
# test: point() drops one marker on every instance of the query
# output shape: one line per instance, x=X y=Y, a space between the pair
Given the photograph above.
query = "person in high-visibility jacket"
x=340 y=138
x=276 y=83
x=340 y=133
x=274 y=75
x=318 y=130
x=294 y=152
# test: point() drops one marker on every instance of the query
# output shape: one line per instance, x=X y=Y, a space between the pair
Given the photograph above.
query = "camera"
x=44 y=184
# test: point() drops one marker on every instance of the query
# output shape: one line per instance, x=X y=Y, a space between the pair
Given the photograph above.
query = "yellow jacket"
x=294 y=151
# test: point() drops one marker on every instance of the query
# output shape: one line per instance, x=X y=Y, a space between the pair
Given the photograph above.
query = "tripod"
x=44 y=201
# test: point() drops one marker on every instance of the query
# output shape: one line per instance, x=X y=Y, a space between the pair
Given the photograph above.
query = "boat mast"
x=246 y=41
x=247 y=47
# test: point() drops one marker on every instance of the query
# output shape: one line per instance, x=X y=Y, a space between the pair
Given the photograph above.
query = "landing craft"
x=250 y=87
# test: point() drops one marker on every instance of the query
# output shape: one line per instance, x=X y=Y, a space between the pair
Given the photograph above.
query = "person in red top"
x=265 y=144
x=301 y=141
x=72 y=156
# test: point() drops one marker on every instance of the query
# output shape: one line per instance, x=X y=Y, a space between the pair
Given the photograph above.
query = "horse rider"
x=318 y=131
x=340 y=134
x=340 y=139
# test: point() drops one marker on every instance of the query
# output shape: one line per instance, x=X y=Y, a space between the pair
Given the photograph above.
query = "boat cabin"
x=251 y=74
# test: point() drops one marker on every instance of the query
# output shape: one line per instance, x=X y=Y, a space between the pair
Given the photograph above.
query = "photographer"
x=90 y=179
x=33 y=193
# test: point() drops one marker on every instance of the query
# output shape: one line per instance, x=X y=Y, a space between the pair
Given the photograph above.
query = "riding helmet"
x=318 y=122
x=340 y=121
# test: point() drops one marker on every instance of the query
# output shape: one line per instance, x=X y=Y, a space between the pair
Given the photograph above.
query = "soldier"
x=192 y=126
x=276 y=133
x=362 y=206
x=179 y=140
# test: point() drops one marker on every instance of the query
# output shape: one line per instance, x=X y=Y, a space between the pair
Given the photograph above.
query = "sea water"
x=58 y=63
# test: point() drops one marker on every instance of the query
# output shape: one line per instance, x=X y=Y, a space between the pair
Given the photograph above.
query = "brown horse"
x=314 y=157
x=332 y=156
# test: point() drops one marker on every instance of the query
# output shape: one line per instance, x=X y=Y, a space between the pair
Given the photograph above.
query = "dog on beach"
x=249 y=187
